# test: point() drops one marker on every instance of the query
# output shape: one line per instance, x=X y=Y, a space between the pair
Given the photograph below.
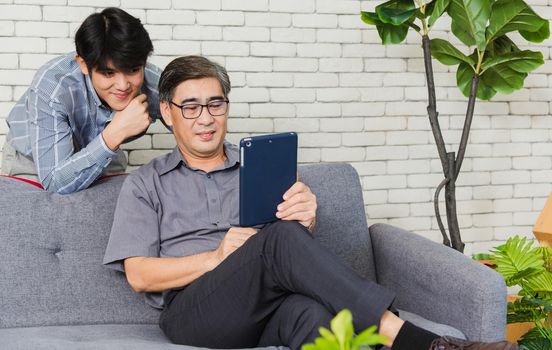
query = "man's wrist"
x=112 y=138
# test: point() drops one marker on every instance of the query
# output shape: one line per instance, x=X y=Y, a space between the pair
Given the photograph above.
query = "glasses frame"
x=181 y=107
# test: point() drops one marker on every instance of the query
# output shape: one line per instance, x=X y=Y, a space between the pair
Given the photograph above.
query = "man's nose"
x=205 y=117
x=122 y=82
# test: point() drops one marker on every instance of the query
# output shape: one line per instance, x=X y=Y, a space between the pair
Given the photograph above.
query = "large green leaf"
x=533 y=333
x=389 y=34
x=500 y=46
x=503 y=79
x=535 y=344
x=515 y=15
x=524 y=310
x=368 y=337
x=546 y=256
x=370 y=18
x=327 y=334
x=538 y=36
x=516 y=254
x=469 y=20
x=544 y=304
x=464 y=77
x=309 y=347
x=440 y=7
x=541 y=285
x=523 y=274
x=521 y=61
x=342 y=326
x=325 y=344
x=503 y=13
x=447 y=54
x=396 y=12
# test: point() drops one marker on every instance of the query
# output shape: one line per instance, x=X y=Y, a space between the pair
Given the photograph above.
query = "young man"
x=175 y=231
x=67 y=127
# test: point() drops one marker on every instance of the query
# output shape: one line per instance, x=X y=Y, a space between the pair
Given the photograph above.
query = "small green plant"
x=529 y=268
x=342 y=336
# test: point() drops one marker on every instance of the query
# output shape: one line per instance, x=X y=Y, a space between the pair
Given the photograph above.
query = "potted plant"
x=342 y=336
x=493 y=63
x=529 y=269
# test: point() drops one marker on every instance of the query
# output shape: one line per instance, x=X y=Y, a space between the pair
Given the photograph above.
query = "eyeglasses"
x=193 y=110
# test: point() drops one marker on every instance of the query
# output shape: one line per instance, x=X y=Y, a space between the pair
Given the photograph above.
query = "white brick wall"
x=313 y=67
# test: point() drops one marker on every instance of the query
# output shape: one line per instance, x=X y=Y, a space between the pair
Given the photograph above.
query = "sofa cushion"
x=136 y=337
x=51 y=260
x=97 y=337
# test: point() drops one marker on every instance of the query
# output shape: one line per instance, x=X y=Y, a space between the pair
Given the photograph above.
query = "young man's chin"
x=118 y=105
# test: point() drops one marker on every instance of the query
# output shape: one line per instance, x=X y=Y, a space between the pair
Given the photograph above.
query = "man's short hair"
x=187 y=68
x=113 y=35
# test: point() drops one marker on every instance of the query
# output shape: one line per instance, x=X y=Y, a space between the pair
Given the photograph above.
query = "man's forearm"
x=151 y=274
x=74 y=173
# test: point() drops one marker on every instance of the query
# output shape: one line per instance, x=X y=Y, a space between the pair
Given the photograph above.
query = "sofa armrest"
x=439 y=283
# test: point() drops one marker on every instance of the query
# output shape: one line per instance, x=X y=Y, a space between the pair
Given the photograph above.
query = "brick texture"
x=312 y=66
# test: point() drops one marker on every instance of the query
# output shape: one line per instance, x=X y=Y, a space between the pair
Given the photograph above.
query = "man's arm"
x=152 y=274
x=59 y=168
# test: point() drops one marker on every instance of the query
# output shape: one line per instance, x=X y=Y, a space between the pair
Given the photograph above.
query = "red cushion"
x=37 y=184
x=34 y=183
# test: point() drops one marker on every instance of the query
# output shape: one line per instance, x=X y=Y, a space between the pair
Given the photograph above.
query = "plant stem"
x=450 y=202
x=480 y=56
x=432 y=107
x=446 y=162
x=446 y=240
x=467 y=125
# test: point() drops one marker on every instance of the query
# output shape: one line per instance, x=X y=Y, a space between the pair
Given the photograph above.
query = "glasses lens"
x=191 y=110
x=217 y=107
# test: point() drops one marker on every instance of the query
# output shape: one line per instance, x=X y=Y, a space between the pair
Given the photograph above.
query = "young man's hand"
x=131 y=121
x=299 y=204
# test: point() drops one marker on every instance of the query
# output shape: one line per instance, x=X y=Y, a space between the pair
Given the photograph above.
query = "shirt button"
x=208 y=176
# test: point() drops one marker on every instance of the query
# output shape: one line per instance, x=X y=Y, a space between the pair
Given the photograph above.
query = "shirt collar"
x=175 y=159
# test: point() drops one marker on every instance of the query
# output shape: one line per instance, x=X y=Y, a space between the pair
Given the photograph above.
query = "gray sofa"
x=55 y=294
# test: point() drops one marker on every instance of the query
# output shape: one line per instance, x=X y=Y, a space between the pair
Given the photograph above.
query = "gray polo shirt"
x=168 y=209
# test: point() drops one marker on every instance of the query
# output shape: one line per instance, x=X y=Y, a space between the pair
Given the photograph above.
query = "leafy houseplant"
x=493 y=64
x=342 y=337
x=531 y=270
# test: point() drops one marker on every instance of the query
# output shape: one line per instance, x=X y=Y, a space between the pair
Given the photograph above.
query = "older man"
x=176 y=231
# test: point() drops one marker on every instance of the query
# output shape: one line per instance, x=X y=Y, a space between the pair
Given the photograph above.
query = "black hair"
x=191 y=67
x=113 y=35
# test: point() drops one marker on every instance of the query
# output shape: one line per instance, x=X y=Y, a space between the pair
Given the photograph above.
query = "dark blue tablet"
x=268 y=168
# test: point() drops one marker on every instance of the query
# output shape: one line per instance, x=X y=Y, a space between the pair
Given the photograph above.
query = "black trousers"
x=277 y=289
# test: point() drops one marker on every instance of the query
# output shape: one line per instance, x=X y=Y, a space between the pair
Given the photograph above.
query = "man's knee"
x=305 y=316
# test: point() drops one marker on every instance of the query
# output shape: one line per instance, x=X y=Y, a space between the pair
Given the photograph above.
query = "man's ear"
x=82 y=65
x=165 y=108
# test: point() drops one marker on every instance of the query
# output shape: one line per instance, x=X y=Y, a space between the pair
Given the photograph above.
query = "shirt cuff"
x=99 y=152
x=104 y=146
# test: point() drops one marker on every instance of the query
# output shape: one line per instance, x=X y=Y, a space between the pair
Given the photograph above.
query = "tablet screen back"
x=268 y=168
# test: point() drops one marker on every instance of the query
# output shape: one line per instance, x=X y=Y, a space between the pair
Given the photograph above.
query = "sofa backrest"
x=52 y=248
x=51 y=258
x=341 y=224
